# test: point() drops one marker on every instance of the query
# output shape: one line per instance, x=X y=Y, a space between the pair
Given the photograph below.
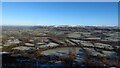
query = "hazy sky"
x=60 y=13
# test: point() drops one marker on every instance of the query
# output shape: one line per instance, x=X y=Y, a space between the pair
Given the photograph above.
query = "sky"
x=60 y=13
x=60 y=0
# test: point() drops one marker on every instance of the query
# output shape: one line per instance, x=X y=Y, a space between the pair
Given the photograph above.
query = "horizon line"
x=59 y=25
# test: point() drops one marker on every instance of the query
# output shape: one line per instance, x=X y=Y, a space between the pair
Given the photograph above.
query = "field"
x=60 y=46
